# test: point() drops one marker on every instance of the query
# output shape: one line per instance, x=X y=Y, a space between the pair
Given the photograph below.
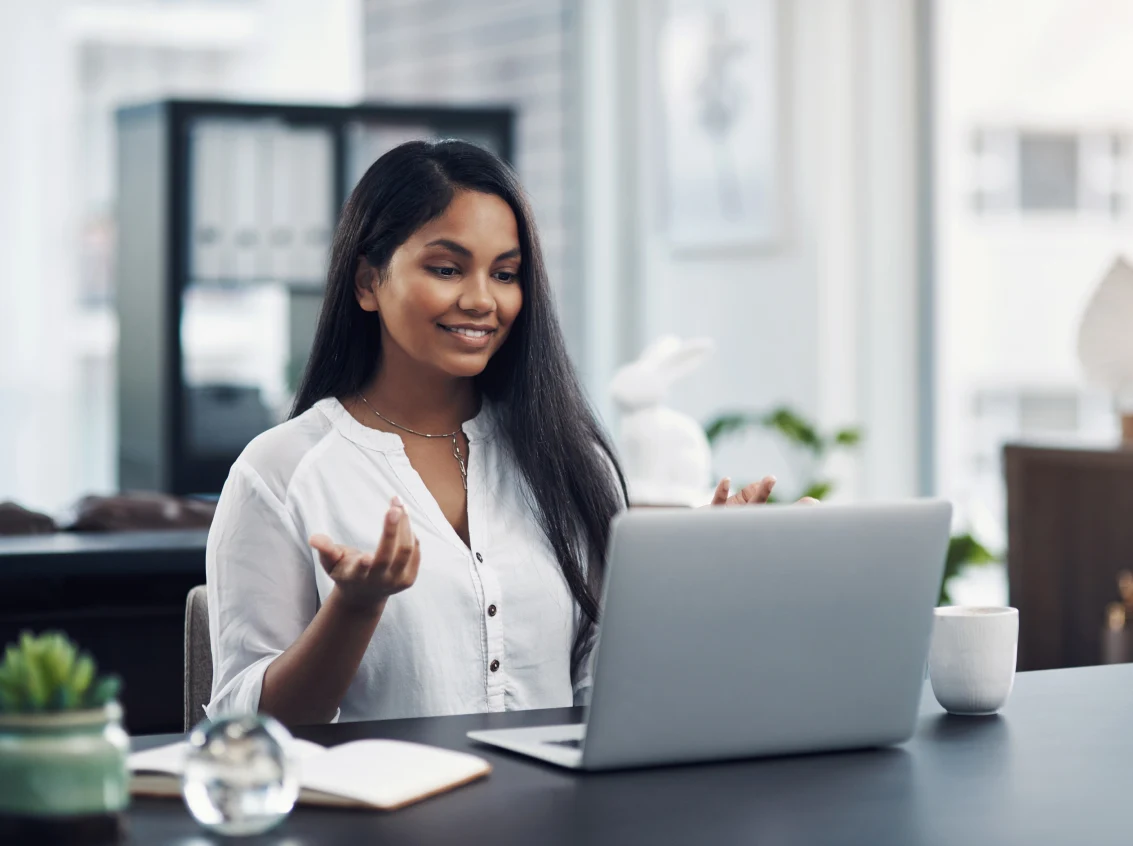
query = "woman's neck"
x=432 y=402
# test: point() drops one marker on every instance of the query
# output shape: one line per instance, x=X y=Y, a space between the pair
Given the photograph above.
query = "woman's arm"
x=307 y=682
x=264 y=604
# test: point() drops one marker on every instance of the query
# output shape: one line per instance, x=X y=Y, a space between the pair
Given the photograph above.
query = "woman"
x=426 y=534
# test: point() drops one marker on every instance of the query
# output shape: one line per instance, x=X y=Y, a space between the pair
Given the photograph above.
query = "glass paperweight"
x=239 y=777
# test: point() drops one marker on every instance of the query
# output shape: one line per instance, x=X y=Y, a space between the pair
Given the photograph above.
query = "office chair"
x=198 y=656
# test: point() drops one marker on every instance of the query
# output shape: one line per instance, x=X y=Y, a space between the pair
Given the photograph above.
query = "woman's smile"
x=469 y=336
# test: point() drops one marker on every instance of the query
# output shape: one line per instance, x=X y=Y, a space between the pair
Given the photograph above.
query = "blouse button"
x=495 y=665
x=491 y=610
x=479 y=557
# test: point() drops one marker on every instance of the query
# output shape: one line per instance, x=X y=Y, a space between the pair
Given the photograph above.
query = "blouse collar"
x=476 y=429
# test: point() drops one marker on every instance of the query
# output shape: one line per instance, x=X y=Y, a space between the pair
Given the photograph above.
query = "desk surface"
x=100 y=553
x=1054 y=768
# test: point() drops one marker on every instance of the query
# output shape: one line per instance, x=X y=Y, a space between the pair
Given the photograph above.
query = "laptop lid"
x=741 y=631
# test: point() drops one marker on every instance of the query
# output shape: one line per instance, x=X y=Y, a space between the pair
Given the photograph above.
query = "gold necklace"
x=454 y=435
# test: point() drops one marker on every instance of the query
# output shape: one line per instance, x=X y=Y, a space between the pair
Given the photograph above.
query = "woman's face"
x=451 y=292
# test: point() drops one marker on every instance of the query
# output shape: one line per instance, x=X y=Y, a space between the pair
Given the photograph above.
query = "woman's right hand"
x=364 y=580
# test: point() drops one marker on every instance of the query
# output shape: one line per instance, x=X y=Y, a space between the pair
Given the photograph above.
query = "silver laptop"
x=743 y=632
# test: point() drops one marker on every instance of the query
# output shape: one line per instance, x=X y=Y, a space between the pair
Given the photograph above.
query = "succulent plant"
x=48 y=674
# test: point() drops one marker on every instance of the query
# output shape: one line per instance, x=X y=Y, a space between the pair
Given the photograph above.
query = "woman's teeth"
x=469 y=333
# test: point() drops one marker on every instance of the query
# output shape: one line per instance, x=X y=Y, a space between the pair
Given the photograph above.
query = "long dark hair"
x=572 y=479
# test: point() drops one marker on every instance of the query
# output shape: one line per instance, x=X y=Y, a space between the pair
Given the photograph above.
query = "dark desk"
x=1054 y=768
x=121 y=595
x=67 y=554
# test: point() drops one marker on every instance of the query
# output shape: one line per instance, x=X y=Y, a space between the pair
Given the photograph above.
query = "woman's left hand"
x=757 y=493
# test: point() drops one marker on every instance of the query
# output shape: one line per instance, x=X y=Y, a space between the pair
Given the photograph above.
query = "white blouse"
x=483 y=629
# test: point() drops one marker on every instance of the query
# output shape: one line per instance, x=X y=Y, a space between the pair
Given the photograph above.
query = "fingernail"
x=394 y=514
x=771 y=479
x=395 y=501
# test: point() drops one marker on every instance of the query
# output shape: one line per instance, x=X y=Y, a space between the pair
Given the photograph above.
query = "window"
x=1048 y=172
x=1035 y=172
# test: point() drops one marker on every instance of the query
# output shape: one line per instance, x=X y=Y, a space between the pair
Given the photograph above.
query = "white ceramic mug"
x=972 y=660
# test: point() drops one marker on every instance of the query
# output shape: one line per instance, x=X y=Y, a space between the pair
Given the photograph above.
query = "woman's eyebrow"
x=452 y=246
x=461 y=250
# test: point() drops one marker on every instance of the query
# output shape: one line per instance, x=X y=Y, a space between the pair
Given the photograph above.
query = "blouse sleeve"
x=261 y=589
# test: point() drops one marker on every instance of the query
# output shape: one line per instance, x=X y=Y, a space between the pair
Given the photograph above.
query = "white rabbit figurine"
x=665 y=454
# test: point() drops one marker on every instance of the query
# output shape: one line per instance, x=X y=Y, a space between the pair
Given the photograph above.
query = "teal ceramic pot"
x=63 y=775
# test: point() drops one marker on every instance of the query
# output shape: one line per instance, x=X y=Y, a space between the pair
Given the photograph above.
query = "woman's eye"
x=444 y=272
x=506 y=276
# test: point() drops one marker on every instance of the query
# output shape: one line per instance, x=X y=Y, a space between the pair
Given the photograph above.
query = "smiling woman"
x=426 y=534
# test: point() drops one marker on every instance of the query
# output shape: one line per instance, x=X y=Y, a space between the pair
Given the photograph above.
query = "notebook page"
x=171 y=759
x=389 y=774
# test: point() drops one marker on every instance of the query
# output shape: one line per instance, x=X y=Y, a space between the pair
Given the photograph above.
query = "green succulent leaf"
x=104 y=691
x=58 y=660
x=36 y=689
x=82 y=675
x=47 y=673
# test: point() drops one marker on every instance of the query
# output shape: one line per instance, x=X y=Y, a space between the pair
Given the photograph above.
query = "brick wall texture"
x=509 y=52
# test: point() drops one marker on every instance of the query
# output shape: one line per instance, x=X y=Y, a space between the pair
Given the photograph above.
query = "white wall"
x=1012 y=286
x=825 y=319
x=302 y=52
x=37 y=270
x=56 y=358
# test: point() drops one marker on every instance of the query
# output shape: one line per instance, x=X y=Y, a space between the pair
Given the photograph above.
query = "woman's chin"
x=465 y=366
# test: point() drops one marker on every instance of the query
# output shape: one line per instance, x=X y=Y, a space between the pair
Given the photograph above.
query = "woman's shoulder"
x=274 y=456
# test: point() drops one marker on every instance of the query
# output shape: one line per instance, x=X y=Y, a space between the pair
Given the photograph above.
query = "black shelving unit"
x=225 y=214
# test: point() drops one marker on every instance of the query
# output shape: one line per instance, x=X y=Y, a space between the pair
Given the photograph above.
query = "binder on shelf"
x=265 y=180
x=244 y=187
x=209 y=166
x=312 y=203
x=282 y=236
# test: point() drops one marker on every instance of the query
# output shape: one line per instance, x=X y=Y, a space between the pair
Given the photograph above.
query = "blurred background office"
x=888 y=215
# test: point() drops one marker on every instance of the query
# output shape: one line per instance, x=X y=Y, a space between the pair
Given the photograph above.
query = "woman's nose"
x=476 y=295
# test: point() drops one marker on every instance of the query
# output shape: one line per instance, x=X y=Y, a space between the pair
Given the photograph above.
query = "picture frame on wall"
x=717 y=65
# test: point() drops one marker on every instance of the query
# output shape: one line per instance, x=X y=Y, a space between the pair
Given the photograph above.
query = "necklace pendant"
x=460 y=460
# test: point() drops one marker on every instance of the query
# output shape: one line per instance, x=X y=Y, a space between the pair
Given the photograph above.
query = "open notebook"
x=384 y=774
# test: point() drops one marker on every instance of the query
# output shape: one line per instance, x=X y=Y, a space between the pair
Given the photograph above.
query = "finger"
x=415 y=560
x=808 y=500
x=354 y=567
x=763 y=490
x=756 y=493
x=387 y=546
x=408 y=574
x=405 y=544
x=330 y=553
x=747 y=494
x=721 y=495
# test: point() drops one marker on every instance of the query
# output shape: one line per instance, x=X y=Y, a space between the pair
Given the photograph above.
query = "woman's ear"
x=366 y=285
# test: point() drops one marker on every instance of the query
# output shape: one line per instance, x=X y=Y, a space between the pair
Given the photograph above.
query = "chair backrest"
x=198 y=656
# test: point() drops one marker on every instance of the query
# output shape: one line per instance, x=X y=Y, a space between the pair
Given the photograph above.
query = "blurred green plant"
x=793 y=428
x=48 y=674
x=963 y=550
x=801 y=434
